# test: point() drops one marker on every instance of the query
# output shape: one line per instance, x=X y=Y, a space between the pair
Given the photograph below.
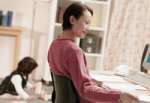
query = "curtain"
x=129 y=31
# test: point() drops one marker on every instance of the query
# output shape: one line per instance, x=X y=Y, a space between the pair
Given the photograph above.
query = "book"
x=4 y=18
x=9 y=18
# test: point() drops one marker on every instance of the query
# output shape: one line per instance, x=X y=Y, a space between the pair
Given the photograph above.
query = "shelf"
x=14 y=32
x=91 y=27
x=103 y=2
x=93 y=54
x=94 y=41
x=96 y=28
x=99 y=2
x=58 y=24
x=10 y=31
x=100 y=10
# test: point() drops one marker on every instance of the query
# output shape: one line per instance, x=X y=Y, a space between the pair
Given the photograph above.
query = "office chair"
x=64 y=90
x=143 y=56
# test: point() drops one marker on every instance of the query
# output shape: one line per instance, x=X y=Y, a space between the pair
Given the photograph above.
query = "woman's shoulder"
x=68 y=44
x=75 y=51
x=16 y=77
x=15 y=73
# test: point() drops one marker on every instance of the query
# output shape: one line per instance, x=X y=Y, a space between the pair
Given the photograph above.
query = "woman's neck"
x=68 y=34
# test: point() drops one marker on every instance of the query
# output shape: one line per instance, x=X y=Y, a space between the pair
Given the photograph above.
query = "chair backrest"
x=65 y=91
x=143 y=57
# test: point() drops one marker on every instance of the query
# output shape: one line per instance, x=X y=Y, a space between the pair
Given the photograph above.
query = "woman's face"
x=80 y=26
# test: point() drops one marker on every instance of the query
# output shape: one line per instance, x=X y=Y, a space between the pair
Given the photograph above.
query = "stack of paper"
x=108 y=78
x=144 y=98
x=124 y=86
x=117 y=82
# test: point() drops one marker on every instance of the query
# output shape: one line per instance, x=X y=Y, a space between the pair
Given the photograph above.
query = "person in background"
x=13 y=85
x=65 y=58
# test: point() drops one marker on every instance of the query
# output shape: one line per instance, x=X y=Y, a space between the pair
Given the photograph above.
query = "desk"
x=16 y=33
x=123 y=84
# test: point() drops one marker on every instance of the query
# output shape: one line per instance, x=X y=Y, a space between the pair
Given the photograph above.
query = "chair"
x=64 y=90
x=143 y=56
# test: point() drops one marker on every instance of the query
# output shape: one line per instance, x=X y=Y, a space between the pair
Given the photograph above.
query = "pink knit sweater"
x=67 y=59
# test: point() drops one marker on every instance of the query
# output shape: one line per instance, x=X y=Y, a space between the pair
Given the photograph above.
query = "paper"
x=108 y=78
x=144 y=98
x=124 y=86
x=117 y=82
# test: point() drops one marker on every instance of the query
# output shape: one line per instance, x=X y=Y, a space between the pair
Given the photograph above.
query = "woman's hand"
x=45 y=97
x=37 y=87
x=128 y=98
x=98 y=83
x=32 y=97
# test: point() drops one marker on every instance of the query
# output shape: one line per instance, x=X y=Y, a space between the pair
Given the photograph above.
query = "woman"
x=13 y=85
x=67 y=59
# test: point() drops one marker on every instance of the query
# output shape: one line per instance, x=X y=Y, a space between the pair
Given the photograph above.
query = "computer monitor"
x=146 y=63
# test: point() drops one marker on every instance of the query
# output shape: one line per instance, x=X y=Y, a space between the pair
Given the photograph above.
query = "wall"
x=6 y=59
x=129 y=31
x=23 y=16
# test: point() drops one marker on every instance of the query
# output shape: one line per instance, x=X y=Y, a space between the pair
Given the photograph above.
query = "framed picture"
x=91 y=43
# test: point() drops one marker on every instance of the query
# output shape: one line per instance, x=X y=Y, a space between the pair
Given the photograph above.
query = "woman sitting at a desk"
x=67 y=59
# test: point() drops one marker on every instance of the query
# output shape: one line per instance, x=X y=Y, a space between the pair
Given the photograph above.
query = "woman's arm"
x=29 y=85
x=98 y=83
x=128 y=98
x=17 y=81
x=84 y=84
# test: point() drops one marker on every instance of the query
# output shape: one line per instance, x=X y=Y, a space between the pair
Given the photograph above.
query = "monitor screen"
x=146 y=63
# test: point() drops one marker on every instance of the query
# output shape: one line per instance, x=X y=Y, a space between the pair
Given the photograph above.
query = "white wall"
x=21 y=8
x=23 y=15
x=41 y=26
x=6 y=59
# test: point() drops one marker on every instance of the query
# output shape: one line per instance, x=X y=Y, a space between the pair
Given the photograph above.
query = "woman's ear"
x=72 y=20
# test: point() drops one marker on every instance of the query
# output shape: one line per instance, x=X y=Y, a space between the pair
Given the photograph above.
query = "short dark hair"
x=76 y=9
x=26 y=65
